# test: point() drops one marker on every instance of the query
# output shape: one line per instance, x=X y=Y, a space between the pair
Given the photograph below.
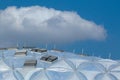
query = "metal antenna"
x=73 y=50
x=46 y=46
x=17 y=45
x=109 y=55
x=54 y=46
x=82 y=51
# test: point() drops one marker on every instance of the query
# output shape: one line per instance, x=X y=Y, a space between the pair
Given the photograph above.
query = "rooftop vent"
x=30 y=63
x=49 y=58
x=39 y=50
x=12 y=48
x=3 y=48
x=58 y=50
x=84 y=55
x=9 y=48
x=21 y=53
x=28 y=47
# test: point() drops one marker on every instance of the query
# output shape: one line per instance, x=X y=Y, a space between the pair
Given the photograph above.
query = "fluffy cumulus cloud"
x=41 y=24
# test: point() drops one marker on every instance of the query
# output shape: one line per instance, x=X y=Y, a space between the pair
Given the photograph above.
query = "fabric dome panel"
x=103 y=76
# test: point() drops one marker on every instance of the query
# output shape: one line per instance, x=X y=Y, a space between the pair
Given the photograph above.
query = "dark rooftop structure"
x=48 y=58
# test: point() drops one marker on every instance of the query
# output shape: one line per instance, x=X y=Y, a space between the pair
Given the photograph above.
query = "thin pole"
x=109 y=56
x=82 y=51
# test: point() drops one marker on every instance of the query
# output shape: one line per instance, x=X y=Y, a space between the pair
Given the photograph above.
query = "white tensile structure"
x=41 y=64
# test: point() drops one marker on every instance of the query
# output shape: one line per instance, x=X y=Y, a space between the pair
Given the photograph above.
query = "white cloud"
x=41 y=24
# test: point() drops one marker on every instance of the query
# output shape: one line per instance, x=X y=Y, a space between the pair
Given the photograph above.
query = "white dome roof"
x=55 y=65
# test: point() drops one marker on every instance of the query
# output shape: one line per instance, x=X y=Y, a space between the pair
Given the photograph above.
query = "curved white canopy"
x=68 y=66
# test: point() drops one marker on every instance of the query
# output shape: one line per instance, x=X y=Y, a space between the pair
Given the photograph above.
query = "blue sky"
x=102 y=12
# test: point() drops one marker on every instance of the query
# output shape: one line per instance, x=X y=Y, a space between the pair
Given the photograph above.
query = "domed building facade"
x=42 y=64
